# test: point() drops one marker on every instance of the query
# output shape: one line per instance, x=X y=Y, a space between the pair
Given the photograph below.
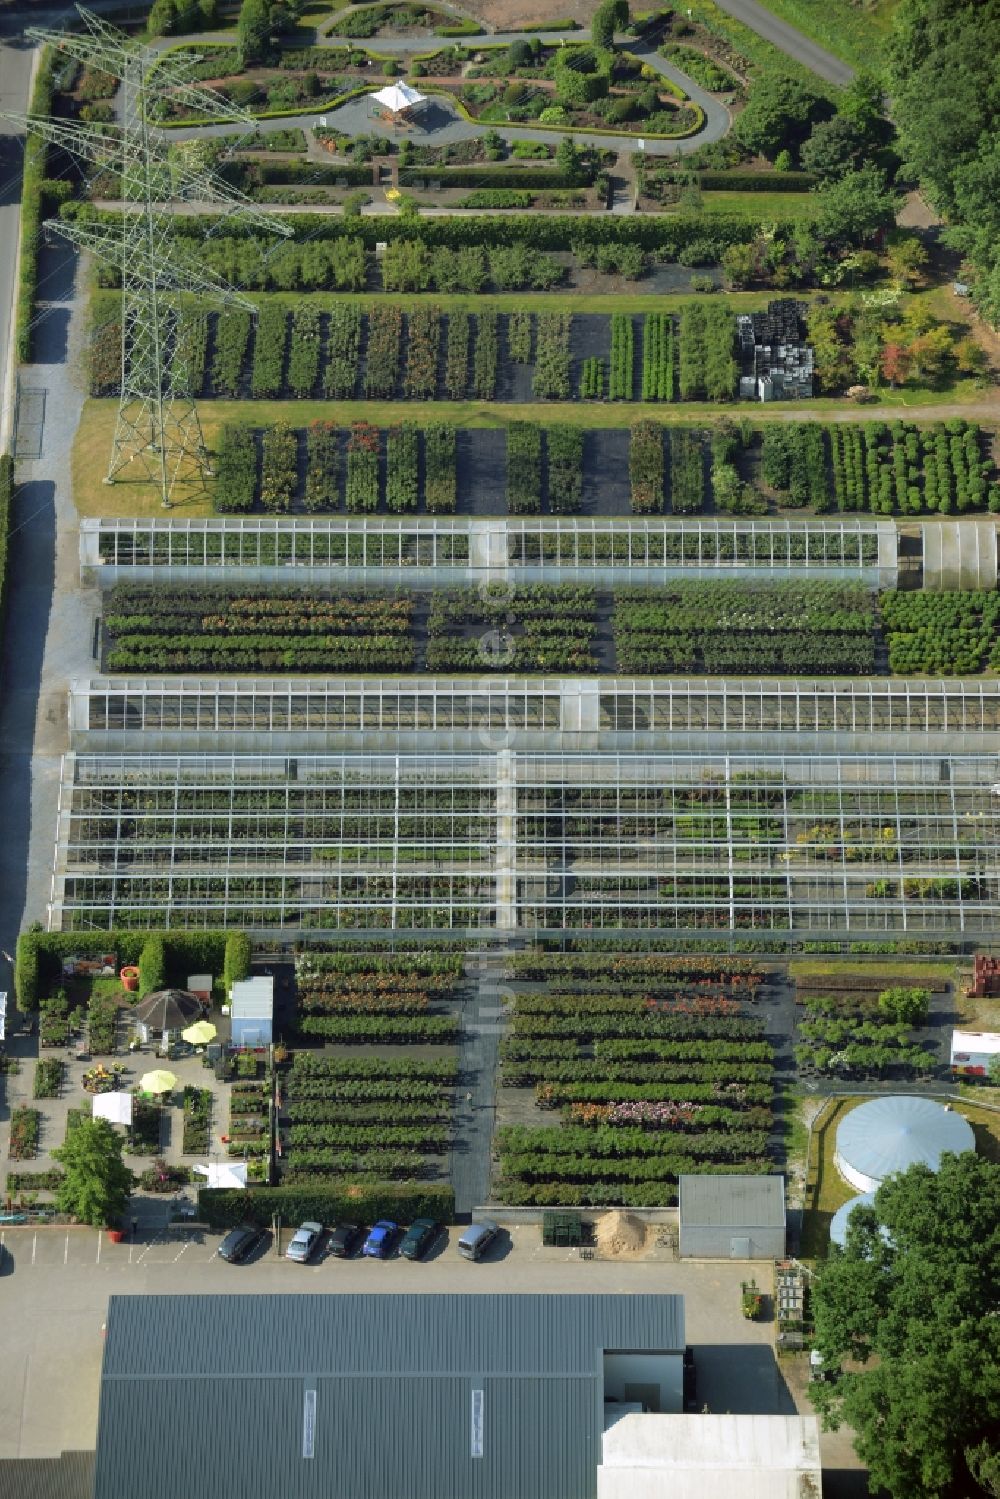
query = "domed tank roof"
x=890 y=1134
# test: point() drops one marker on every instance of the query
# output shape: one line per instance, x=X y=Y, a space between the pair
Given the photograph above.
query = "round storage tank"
x=890 y=1134
x=838 y=1223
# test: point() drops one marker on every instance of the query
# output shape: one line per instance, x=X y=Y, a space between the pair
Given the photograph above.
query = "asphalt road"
x=788 y=40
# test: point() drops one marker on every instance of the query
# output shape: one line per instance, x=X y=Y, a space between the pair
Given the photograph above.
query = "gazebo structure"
x=396 y=100
x=168 y=1011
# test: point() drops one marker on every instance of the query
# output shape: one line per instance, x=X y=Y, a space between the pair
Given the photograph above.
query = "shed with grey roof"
x=731 y=1217
x=349 y=1397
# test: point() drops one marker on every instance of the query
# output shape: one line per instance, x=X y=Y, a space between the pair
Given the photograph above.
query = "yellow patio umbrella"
x=200 y=1033
x=157 y=1081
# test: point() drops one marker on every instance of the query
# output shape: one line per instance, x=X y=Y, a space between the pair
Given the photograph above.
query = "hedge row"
x=33 y=191
x=662 y=234
x=6 y=509
x=539 y=179
x=39 y=957
x=756 y=182
x=353 y=1202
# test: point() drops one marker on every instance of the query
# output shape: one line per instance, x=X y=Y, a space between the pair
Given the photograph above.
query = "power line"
x=158 y=432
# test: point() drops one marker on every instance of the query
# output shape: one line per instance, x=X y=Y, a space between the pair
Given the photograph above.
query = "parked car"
x=345 y=1239
x=418 y=1238
x=477 y=1238
x=241 y=1242
x=381 y=1239
x=305 y=1242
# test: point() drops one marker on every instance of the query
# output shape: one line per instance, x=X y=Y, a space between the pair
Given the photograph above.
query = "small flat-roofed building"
x=732 y=1217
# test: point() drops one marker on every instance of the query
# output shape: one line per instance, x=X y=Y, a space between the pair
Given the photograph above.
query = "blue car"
x=380 y=1241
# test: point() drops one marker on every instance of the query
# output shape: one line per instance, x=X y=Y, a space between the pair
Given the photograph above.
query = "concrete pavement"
x=58 y=1281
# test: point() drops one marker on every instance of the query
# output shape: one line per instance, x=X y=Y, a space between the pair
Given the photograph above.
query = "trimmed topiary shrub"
x=237 y=961
x=152 y=967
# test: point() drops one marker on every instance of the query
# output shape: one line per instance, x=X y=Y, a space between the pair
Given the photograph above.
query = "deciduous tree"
x=914 y=1298
x=96 y=1182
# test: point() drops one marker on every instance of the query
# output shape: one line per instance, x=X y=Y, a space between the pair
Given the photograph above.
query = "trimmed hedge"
x=538 y=178
x=353 y=1202
x=236 y=966
x=152 y=967
x=38 y=963
x=663 y=234
x=309 y=174
x=756 y=182
x=33 y=192
x=6 y=508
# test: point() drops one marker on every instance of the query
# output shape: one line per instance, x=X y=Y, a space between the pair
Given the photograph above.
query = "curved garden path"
x=353 y=118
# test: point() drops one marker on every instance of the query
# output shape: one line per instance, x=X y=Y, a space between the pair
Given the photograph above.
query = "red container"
x=116 y=1235
x=130 y=979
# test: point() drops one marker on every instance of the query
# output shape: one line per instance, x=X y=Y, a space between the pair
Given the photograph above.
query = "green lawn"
x=826 y=1189
x=776 y=206
x=856 y=33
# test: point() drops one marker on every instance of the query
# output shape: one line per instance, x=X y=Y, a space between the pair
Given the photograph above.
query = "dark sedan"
x=419 y=1237
x=345 y=1239
x=241 y=1242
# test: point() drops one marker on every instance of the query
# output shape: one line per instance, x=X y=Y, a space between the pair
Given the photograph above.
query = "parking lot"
x=56 y=1283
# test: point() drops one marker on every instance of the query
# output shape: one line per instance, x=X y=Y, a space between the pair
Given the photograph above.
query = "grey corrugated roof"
x=70 y=1476
x=732 y=1201
x=206 y=1395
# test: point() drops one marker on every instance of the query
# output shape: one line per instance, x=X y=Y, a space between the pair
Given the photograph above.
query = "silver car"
x=305 y=1241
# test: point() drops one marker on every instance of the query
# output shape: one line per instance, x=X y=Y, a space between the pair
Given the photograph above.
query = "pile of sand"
x=620 y=1233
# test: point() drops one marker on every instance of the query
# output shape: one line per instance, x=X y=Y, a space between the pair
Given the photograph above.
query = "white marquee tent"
x=398 y=96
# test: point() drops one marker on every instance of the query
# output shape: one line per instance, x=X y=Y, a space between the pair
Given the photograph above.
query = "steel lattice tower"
x=158 y=427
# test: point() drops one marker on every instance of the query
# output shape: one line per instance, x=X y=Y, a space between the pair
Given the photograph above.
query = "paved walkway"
x=49 y=629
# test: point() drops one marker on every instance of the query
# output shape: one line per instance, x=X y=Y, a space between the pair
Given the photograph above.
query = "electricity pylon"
x=158 y=432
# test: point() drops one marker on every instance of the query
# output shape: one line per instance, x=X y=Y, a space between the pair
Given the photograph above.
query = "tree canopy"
x=779 y=114
x=96 y=1182
x=945 y=87
x=916 y=1306
x=856 y=205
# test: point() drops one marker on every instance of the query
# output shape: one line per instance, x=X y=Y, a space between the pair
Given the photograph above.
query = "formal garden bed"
x=570 y=87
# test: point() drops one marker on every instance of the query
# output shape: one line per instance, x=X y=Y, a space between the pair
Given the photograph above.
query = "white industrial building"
x=710 y=1457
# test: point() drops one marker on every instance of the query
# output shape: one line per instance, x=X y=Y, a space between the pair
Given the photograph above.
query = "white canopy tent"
x=224 y=1173
x=398 y=96
x=116 y=1107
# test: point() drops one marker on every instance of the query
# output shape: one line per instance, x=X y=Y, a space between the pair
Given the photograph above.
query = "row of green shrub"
x=6 y=514
x=666 y=235
x=756 y=182
x=33 y=193
x=541 y=179
x=353 y=1202
x=39 y=958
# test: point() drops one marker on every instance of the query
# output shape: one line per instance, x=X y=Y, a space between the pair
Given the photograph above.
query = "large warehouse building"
x=399 y=1397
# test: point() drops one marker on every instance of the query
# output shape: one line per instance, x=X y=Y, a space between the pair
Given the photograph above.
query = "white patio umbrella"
x=398 y=96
